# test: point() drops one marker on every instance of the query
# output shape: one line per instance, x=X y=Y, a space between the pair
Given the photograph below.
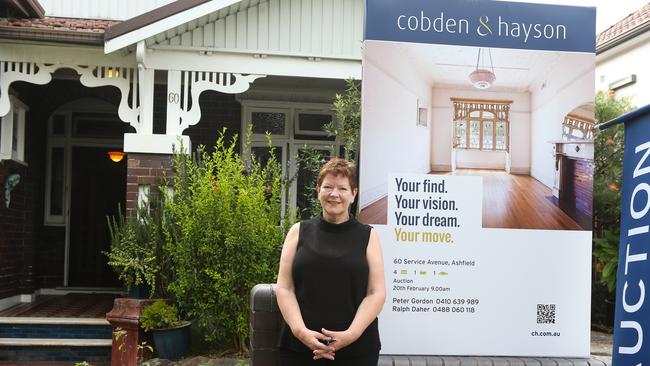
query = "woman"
x=331 y=280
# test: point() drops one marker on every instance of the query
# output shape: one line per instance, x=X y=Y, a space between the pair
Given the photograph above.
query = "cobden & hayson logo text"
x=483 y=26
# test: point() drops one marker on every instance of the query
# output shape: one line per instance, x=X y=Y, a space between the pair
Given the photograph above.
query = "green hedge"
x=226 y=236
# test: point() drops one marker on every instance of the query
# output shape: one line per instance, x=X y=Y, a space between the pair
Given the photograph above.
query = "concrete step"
x=25 y=340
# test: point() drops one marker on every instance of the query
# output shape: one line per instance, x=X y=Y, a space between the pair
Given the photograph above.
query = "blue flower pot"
x=172 y=343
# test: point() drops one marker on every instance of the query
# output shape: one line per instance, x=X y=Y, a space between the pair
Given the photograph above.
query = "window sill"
x=20 y=162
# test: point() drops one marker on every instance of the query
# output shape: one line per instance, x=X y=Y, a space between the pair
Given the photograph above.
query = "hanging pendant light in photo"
x=482 y=77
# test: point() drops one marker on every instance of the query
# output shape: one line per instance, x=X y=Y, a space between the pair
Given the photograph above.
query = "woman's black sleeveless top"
x=330 y=275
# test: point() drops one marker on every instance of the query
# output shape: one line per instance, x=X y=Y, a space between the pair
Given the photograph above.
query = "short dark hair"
x=338 y=166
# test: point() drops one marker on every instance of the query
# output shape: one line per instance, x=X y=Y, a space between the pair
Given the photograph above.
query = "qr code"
x=545 y=313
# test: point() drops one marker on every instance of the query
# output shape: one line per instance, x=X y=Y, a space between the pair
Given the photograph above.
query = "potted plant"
x=171 y=336
x=136 y=252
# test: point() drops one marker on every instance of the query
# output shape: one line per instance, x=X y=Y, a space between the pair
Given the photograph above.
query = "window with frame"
x=293 y=127
x=481 y=124
x=12 y=132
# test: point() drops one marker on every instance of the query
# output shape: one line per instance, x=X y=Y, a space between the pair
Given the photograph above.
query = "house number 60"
x=173 y=98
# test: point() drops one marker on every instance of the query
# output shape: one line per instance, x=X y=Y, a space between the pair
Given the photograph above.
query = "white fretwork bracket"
x=123 y=78
x=185 y=87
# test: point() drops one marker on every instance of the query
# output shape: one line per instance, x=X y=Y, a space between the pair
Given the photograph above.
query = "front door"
x=97 y=186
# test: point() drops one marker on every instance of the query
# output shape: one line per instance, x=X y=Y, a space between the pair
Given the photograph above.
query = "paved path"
x=601 y=346
x=601 y=349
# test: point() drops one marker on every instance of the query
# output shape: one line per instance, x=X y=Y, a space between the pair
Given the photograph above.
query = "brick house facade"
x=140 y=74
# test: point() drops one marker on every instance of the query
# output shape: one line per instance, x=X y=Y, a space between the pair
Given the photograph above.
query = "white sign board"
x=484 y=208
x=454 y=287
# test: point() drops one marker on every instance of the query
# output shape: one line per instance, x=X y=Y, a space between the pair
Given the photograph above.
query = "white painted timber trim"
x=78 y=290
x=519 y=170
x=63 y=54
x=155 y=144
x=123 y=78
x=8 y=302
x=372 y=194
x=180 y=116
x=255 y=53
x=372 y=200
x=165 y=24
x=60 y=342
x=441 y=168
x=53 y=321
x=248 y=64
x=25 y=298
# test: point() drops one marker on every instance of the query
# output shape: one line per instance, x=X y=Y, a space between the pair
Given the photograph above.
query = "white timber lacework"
x=578 y=128
x=463 y=108
x=123 y=78
x=185 y=87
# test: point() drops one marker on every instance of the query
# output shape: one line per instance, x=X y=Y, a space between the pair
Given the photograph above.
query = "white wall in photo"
x=476 y=159
x=390 y=139
x=565 y=89
x=442 y=132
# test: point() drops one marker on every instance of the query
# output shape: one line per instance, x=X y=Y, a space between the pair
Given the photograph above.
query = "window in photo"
x=481 y=124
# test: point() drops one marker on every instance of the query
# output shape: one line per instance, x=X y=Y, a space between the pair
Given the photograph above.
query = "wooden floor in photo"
x=509 y=201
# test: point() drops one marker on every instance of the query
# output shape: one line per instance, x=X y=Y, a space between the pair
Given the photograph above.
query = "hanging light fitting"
x=482 y=78
x=116 y=156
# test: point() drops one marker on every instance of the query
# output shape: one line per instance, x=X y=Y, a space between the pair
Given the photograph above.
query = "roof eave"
x=120 y=35
x=52 y=35
x=622 y=38
x=150 y=17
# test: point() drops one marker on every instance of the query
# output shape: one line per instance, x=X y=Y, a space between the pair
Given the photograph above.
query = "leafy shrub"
x=226 y=236
x=608 y=174
x=137 y=252
x=347 y=107
x=159 y=315
x=131 y=254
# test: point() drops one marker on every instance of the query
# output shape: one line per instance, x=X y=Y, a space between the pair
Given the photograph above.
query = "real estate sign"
x=632 y=318
x=476 y=171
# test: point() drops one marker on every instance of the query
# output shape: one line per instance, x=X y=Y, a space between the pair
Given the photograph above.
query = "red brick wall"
x=16 y=233
x=144 y=169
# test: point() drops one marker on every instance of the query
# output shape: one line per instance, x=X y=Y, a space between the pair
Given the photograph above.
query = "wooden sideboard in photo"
x=574 y=179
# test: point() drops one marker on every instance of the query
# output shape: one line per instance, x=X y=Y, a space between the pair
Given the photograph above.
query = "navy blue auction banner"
x=483 y=23
x=632 y=320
